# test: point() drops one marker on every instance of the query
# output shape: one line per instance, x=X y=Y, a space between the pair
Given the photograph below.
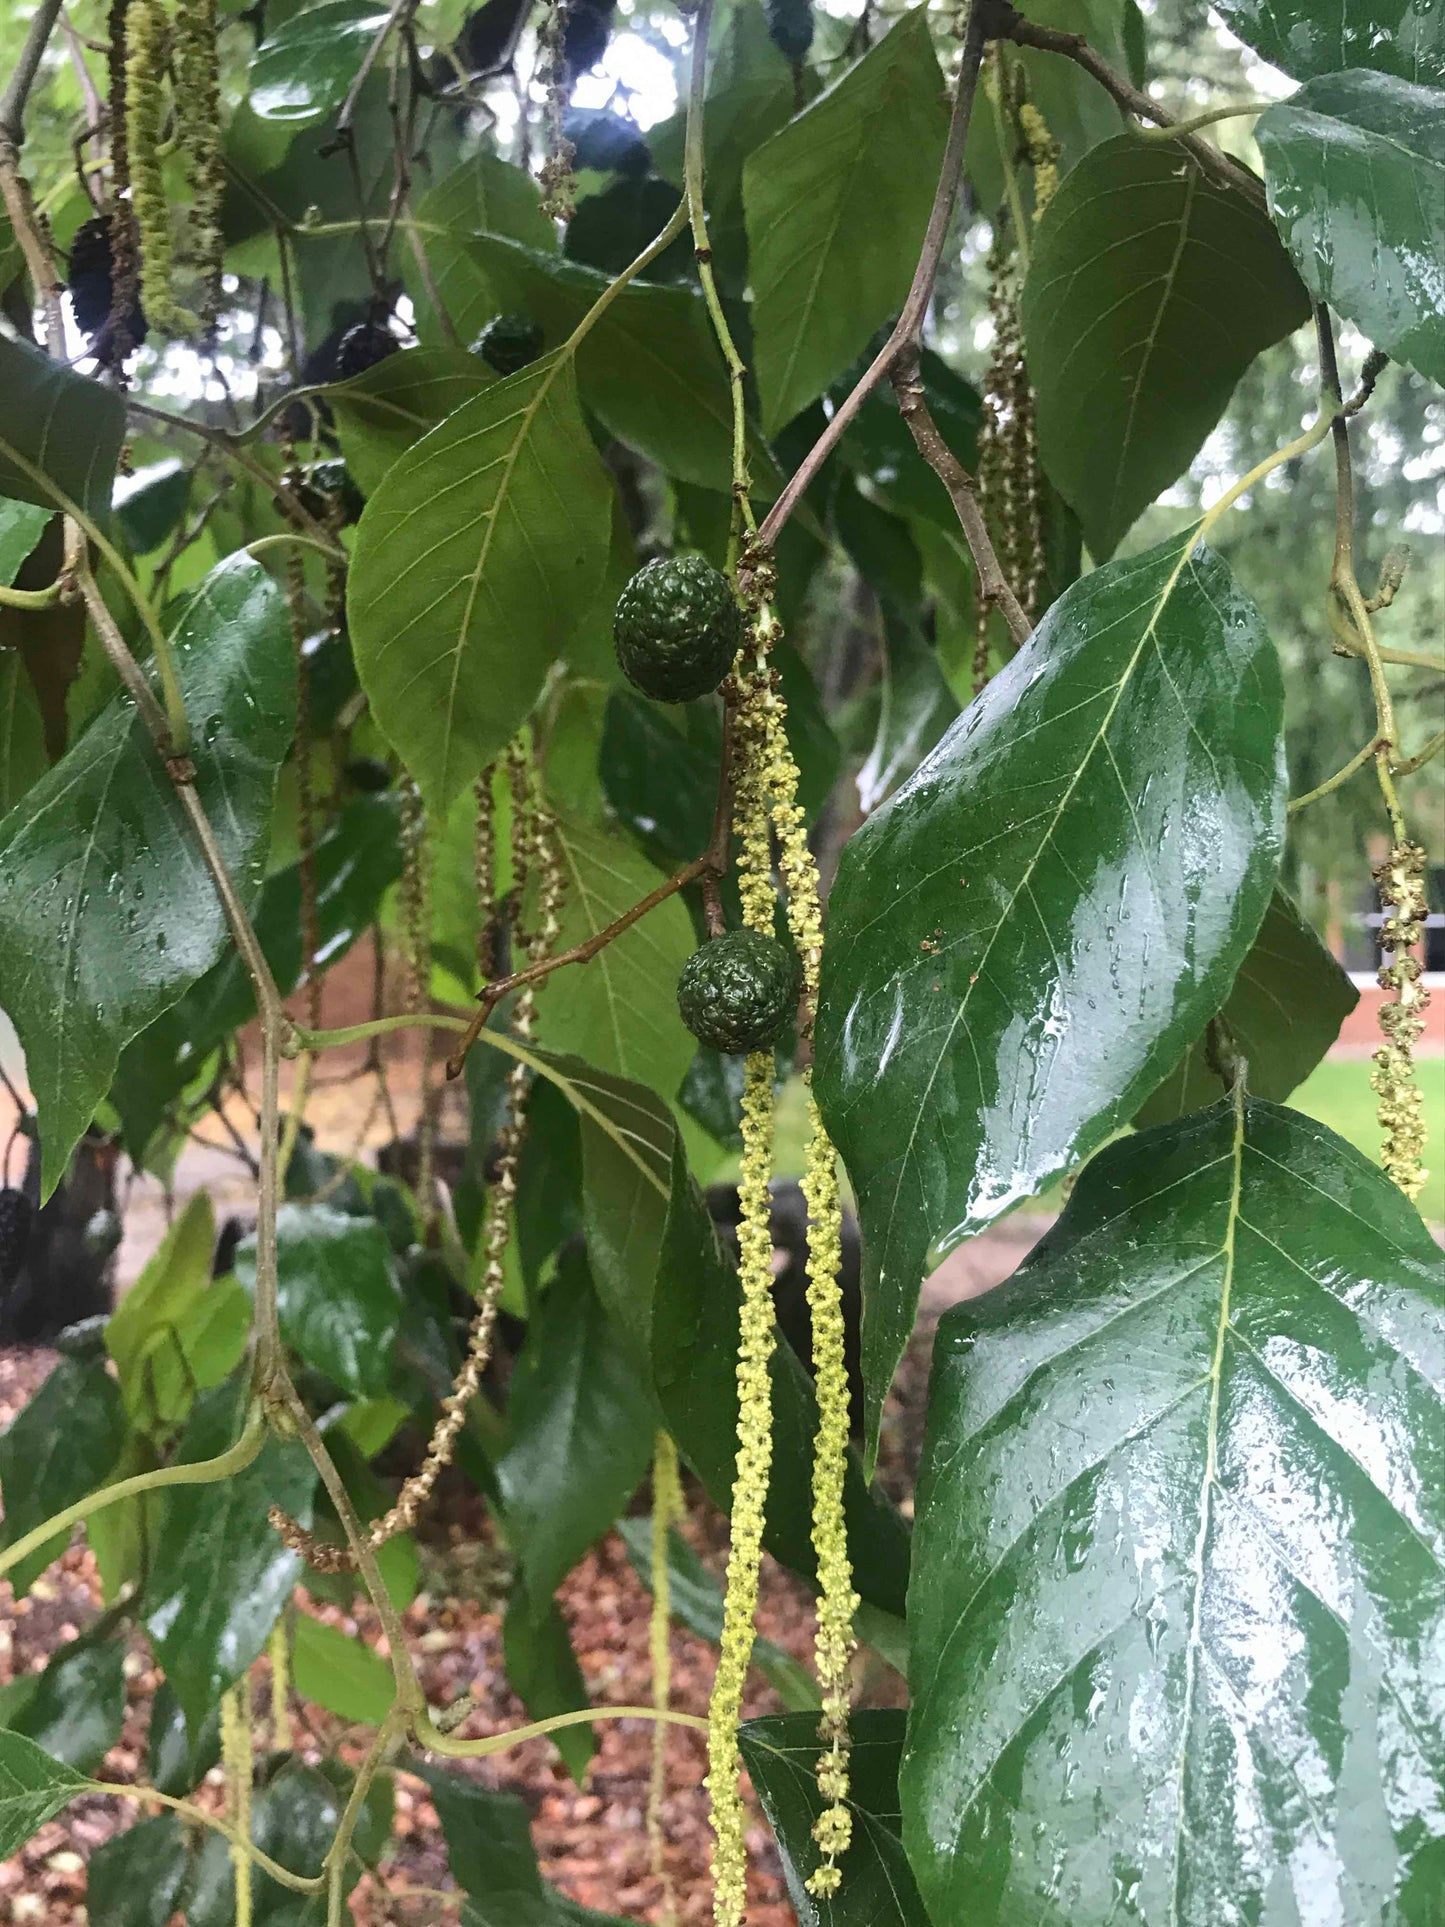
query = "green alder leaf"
x=697 y=1602
x=301 y=74
x=107 y=912
x=22 y=731
x=474 y=562
x=1355 y=168
x=860 y=163
x=340 y=1673
x=337 y=1293
x=660 y=1272
x=137 y=1878
x=1149 y=293
x=382 y=413
x=493 y=1860
x=177 y=1763
x=33 y=1787
x=21 y=526
x=543 y=1672
x=77 y=1708
x=357 y=859
x=176 y=1332
x=621 y=1008
x=1285 y=1010
x=484 y=195
x=580 y=1430
x=781 y=1756
x=219 y=1575
x=149 y=503
x=1077 y=110
x=59 y=423
x=1026 y=936
x=648 y=367
x=917 y=707
x=1179 y=1592
x=59 y=1447
x=1308 y=37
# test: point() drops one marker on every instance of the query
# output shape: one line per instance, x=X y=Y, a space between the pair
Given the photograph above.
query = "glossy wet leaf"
x=580 y=1430
x=1308 y=37
x=337 y=1293
x=77 y=1708
x=660 y=1272
x=1180 y=1575
x=357 y=857
x=219 y=1576
x=474 y=562
x=1026 y=936
x=107 y=912
x=1135 y=335
x=32 y=1788
x=294 y=1817
x=1285 y=1010
x=382 y=413
x=621 y=1008
x=21 y=525
x=340 y=1672
x=696 y=1596
x=62 y=1444
x=136 y=1879
x=658 y=782
x=781 y=1756
x=150 y=503
x=860 y=162
x=301 y=73
x=1355 y=167
x=56 y=427
x=1079 y=112
x=176 y=1761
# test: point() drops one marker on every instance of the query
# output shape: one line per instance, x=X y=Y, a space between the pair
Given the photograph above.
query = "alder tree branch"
x=907 y=334
x=1073 y=46
x=993 y=586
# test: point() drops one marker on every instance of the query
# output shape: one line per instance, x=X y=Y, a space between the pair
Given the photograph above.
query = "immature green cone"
x=738 y=992
x=677 y=629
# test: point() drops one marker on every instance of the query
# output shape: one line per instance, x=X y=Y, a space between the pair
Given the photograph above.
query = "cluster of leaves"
x=1170 y=1609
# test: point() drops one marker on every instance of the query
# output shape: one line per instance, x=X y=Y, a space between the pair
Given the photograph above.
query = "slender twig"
x=1332 y=783
x=992 y=583
x=1409 y=764
x=1402 y=658
x=1344 y=588
x=431 y=1737
x=300 y=1883
x=204 y=1472
x=908 y=329
x=1176 y=130
x=22 y=78
x=388 y=27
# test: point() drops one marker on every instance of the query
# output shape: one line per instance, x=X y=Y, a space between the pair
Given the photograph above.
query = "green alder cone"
x=509 y=342
x=677 y=629
x=738 y=992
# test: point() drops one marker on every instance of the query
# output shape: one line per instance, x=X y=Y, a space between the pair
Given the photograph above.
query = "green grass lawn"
x=1338 y=1094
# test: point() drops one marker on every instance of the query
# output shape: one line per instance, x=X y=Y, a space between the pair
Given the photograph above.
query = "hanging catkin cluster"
x=556 y=174
x=1401 y=880
x=1008 y=465
x=124 y=255
x=667 y=1511
x=154 y=46
x=766 y=800
x=536 y=852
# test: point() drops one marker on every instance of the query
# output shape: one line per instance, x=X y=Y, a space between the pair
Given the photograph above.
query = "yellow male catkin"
x=667 y=1510
x=237 y=1766
x=198 y=102
x=1401 y=880
x=148 y=38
